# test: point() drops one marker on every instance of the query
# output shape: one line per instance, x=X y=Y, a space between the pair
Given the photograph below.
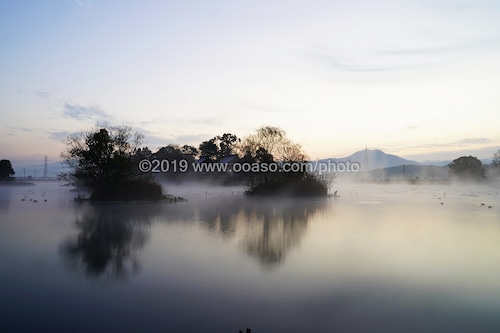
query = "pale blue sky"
x=419 y=79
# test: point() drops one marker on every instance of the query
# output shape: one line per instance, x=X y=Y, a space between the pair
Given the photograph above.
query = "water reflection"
x=5 y=197
x=7 y=194
x=273 y=231
x=108 y=240
x=266 y=230
x=393 y=256
x=111 y=236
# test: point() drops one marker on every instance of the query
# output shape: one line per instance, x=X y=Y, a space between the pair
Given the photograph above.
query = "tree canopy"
x=273 y=141
x=467 y=167
x=6 y=170
x=209 y=149
x=107 y=159
x=219 y=146
x=103 y=159
x=270 y=145
x=496 y=159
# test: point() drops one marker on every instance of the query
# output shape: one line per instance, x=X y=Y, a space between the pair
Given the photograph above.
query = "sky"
x=415 y=78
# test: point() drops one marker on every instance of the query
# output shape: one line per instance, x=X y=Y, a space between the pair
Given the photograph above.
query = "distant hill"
x=436 y=162
x=377 y=159
x=410 y=172
x=384 y=166
x=485 y=161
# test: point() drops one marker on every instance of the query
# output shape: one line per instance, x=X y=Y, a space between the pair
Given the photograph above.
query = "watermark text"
x=183 y=166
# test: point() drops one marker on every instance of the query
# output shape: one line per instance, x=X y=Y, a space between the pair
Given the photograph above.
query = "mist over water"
x=380 y=258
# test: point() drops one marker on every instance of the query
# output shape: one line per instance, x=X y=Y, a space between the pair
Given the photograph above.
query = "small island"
x=281 y=167
x=110 y=163
x=103 y=161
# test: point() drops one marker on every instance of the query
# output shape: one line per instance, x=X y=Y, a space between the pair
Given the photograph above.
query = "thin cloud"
x=154 y=121
x=357 y=66
x=44 y=94
x=58 y=135
x=404 y=59
x=457 y=50
x=53 y=134
x=474 y=141
x=20 y=129
x=14 y=131
x=215 y=120
x=263 y=108
x=463 y=5
x=192 y=139
x=410 y=128
x=85 y=5
x=152 y=140
x=79 y=112
x=459 y=143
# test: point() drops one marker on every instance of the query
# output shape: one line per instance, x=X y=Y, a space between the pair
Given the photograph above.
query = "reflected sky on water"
x=381 y=258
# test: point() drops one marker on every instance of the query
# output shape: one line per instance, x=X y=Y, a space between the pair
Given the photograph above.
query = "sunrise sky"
x=419 y=79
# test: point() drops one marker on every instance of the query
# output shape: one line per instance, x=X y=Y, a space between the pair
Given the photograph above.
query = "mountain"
x=377 y=159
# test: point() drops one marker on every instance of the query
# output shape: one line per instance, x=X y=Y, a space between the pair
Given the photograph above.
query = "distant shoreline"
x=165 y=198
x=15 y=183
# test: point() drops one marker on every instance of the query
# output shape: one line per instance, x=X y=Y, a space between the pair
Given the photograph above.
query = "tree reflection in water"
x=108 y=240
x=267 y=229
x=110 y=236
x=271 y=233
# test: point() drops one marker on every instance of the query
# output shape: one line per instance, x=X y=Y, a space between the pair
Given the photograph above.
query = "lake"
x=381 y=258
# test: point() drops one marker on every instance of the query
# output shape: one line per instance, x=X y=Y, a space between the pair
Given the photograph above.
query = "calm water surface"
x=381 y=258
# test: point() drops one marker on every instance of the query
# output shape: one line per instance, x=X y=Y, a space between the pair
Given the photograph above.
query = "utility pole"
x=45 y=169
x=366 y=166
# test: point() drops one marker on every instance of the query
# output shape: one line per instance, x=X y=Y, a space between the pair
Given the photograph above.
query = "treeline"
x=215 y=149
x=112 y=164
x=268 y=163
x=176 y=162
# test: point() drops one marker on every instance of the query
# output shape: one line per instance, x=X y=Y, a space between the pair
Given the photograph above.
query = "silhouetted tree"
x=289 y=175
x=209 y=149
x=263 y=156
x=275 y=142
x=179 y=160
x=103 y=160
x=219 y=146
x=496 y=159
x=143 y=153
x=467 y=167
x=227 y=143
x=6 y=170
x=189 y=150
x=170 y=153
